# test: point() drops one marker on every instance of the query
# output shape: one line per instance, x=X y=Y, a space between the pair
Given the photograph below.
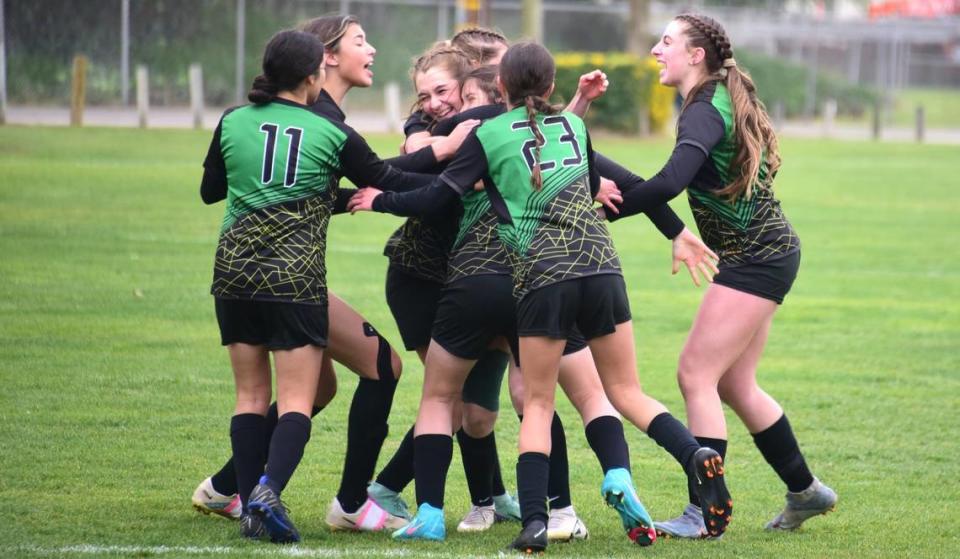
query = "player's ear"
x=550 y=90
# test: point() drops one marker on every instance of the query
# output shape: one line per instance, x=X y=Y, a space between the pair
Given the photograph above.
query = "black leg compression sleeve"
x=674 y=438
x=720 y=445
x=606 y=438
x=779 y=447
x=384 y=362
x=366 y=431
x=433 y=454
x=478 y=463
x=558 y=484
x=286 y=449
x=248 y=439
x=225 y=481
x=398 y=473
x=533 y=468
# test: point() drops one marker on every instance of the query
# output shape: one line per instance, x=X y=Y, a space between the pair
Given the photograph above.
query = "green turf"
x=116 y=394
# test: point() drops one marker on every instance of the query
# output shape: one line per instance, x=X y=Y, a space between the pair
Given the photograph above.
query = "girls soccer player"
x=726 y=157
x=292 y=198
x=539 y=179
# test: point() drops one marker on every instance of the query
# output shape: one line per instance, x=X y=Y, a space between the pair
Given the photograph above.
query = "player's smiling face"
x=676 y=60
x=473 y=95
x=438 y=92
x=354 y=57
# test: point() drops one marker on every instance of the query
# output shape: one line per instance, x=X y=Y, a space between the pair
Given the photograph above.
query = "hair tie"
x=729 y=63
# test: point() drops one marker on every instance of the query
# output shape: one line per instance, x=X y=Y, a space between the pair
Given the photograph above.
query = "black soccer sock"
x=497 y=488
x=606 y=438
x=247 y=435
x=533 y=468
x=366 y=431
x=558 y=484
x=720 y=445
x=478 y=465
x=398 y=473
x=433 y=454
x=286 y=449
x=779 y=447
x=674 y=437
x=225 y=481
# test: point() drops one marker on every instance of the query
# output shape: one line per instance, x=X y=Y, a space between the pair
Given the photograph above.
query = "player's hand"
x=362 y=201
x=592 y=85
x=478 y=186
x=609 y=195
x=446 y=147
x=689 y=249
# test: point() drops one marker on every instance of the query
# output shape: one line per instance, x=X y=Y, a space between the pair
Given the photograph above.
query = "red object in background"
x=913 y=8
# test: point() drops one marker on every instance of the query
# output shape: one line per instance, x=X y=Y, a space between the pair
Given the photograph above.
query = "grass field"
x=116 y=395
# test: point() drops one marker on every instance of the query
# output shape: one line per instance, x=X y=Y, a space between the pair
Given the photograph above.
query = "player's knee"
x=478 y=422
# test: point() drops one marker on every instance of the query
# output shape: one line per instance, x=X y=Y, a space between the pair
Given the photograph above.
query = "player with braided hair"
x=726 y=157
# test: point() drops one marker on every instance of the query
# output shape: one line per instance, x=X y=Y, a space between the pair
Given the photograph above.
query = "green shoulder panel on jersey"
x=276 y=153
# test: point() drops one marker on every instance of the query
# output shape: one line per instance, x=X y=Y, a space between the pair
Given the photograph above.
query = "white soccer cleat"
x=207 y=500
x=479 y=519
x=370 y=517
x=565 y=525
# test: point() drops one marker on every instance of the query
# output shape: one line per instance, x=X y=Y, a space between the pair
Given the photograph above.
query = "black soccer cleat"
x=265 y=504
x=715 y=501
x=532 y=539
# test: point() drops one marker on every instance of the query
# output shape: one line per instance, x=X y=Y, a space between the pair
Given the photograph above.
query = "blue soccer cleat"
x=428 y=524
x=618 y=492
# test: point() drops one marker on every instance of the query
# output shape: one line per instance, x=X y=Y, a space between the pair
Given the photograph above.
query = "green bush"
x=634 y=90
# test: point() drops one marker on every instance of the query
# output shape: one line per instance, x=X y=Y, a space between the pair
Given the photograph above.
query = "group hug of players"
x=504 y=264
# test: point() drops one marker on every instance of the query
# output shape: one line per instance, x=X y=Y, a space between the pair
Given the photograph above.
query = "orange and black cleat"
x=715 y=501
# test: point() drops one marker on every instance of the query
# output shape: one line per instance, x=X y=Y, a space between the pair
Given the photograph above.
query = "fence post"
x=143 y=95
x=392 y=103
x=778 y=114
x=3 y=68
x=829 y=116
x=877 y=117
x=921 y=127
x=196 y=95
x=78 y=90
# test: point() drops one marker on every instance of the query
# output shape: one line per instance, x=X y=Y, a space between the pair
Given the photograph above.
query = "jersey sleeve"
x=700 y=125
x=213 y=185
x=363 y=167
x=483 y=112
x=416 y=122
x=592 y=166
x=467 y=167
x=424 y=160
x=663 y=217
x=680 y=169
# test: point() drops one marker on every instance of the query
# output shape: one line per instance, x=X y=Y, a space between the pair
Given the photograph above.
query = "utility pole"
x=637 y=27
x=532 y=20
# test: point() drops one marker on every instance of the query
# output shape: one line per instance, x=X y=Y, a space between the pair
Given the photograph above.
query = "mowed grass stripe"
x=116 y=394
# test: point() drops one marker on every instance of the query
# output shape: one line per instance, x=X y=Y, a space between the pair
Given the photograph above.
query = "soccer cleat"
x=715 y=503
x=814 y=500
x=426 y=525
x=207 y=500
x=265 y=504
x=389 y=500
x=507 y=508
x=479 y=519
x=370 y=517
x=618 y=492
x=564 y=525
x=532 y=539
x=251 y=527
x=688 y=525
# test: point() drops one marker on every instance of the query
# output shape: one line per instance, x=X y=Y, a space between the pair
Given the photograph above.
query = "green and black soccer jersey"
x=553 y=234
x=477 y=250
x=277 y=165
x=742 y=231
